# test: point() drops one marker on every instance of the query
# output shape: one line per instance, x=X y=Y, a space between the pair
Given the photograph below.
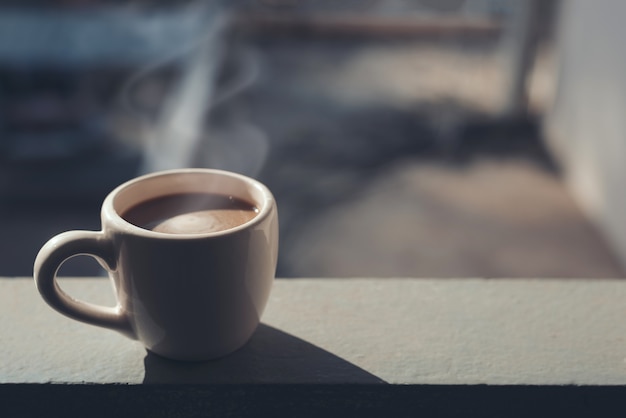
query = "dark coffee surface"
x=190 y=213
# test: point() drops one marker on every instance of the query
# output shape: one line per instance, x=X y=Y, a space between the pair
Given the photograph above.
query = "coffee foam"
x=190 y=213
x=206 y=221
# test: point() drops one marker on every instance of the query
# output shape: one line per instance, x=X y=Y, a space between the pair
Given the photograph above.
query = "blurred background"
x=401 y=138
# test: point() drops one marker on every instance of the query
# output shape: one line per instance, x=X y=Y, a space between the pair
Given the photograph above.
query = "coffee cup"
x=195 y=292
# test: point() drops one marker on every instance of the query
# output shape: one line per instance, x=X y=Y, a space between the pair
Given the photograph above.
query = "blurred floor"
x=387 y=160
x=384 y=162
x=491 y=219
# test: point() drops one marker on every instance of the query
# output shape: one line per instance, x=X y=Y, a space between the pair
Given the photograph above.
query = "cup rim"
x=111 y=216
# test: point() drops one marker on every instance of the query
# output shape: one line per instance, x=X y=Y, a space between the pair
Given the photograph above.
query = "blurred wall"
x=586 y=126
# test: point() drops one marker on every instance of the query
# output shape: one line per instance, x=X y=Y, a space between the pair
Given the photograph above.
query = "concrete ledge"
x=493 y=345
x=403 y=331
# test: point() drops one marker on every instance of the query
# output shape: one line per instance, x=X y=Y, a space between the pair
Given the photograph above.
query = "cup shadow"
x=271 y=356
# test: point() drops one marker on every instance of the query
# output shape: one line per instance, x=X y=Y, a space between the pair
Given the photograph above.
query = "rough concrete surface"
x=403 y=331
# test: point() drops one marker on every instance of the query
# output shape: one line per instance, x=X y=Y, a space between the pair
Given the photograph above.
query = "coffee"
x=190 y=213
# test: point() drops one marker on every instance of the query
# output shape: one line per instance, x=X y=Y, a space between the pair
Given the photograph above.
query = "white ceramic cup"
x=187 y=297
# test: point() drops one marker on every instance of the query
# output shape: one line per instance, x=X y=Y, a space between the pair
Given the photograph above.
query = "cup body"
x=187 y=296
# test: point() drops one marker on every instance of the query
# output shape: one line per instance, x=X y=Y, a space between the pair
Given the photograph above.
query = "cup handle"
x=53 y=254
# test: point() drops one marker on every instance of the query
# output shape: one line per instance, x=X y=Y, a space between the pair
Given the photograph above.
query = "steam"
x=178 y=130
x=179 y=135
